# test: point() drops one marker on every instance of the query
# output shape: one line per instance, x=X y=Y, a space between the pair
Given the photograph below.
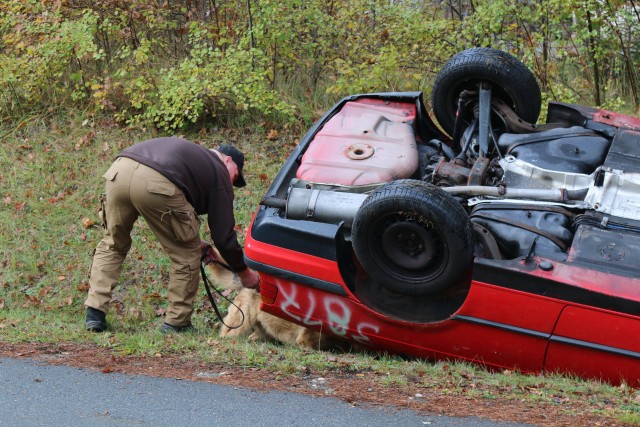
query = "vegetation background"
x=80 y=80
x=176 y=63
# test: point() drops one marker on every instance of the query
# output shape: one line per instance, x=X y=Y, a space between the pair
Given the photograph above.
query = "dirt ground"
x=359 y=390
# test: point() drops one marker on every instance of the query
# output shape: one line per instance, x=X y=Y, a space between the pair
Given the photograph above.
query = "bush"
x=207 y=83
x=43 y=57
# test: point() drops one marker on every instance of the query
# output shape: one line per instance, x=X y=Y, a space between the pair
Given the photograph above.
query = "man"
x=169 y=182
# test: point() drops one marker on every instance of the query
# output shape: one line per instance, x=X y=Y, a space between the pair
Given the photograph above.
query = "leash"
x=208 y=285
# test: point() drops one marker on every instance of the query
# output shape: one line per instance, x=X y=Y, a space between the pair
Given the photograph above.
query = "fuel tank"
x=369 y=141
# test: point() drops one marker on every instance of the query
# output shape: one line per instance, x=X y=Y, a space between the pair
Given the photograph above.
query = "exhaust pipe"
x=327 y=206
x=335 y=207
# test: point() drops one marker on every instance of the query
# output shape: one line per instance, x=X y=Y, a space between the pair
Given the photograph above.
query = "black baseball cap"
x=238 y=159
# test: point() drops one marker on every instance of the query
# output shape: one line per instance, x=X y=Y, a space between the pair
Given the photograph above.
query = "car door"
x=598 y=343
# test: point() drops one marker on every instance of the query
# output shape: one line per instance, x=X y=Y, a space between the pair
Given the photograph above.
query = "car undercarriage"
x=413 y=222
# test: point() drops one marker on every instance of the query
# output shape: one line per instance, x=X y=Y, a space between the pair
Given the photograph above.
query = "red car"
x=490 y=239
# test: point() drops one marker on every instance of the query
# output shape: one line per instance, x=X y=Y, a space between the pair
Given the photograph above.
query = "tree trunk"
x=594 y=59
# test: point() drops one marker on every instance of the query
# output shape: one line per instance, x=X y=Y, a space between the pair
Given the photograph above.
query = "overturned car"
x=495 y=240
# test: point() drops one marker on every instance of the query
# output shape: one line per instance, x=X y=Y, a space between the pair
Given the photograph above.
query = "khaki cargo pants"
x=133 y=189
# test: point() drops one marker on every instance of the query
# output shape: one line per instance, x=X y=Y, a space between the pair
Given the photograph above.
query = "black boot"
x=95 y=320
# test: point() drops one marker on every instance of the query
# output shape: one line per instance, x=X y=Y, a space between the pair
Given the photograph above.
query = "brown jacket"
x=204 y=179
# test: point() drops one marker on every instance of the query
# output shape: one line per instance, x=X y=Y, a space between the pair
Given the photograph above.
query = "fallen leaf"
x=273 y=134
x=45 y=291
x=7 y=199
x=87 y=222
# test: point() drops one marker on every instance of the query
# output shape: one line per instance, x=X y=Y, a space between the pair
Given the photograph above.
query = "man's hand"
x=208 y=254
x=249 y=279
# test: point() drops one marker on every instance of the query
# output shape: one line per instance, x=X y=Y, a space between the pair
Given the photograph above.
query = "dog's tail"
x=220 y=274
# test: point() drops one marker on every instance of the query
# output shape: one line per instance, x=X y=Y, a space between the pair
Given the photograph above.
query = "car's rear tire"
x=413 y=238
x=510 y=79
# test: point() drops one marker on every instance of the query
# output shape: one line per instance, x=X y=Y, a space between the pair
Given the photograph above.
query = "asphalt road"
x=36 y=394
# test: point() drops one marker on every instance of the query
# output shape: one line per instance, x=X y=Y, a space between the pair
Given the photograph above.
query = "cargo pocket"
x=110 y=174
x=102 y=213
x=161 y=187
x=185 y=225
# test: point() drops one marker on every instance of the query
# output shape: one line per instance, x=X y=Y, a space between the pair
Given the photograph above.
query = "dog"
x=245 y=319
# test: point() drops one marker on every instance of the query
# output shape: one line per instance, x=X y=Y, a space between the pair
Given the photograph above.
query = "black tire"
x=413 y=238
x=511 y=82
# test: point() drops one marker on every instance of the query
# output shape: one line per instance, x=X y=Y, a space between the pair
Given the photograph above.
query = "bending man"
x=169 y=182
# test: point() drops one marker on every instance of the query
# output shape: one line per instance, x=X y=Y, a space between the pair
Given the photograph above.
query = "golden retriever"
x=258 y=325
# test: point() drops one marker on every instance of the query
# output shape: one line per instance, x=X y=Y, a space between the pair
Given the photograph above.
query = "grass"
x=50 y=175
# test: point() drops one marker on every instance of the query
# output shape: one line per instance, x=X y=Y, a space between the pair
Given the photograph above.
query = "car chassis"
x=498 y=241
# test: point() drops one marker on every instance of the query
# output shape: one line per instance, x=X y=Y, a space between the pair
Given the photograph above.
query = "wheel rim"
x=415 y=247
